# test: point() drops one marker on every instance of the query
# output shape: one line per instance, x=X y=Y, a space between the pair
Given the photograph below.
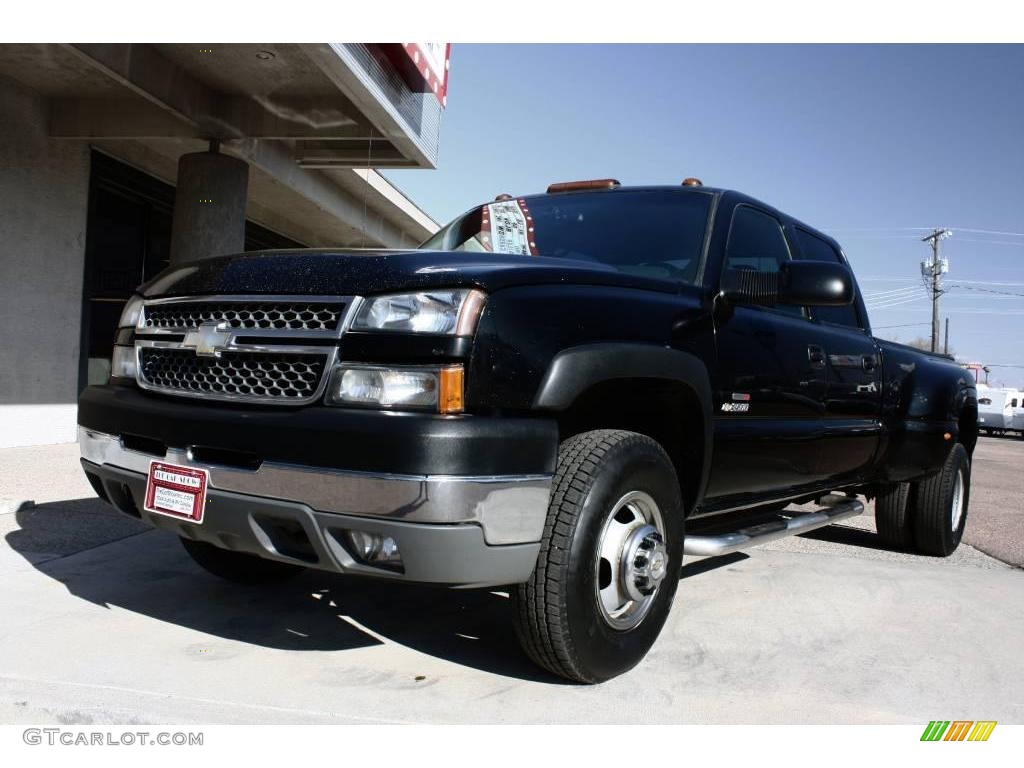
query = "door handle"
x=870 y=362
x=816 y=356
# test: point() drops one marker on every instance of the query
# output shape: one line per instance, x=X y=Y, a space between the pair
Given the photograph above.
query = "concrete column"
x=209 y=206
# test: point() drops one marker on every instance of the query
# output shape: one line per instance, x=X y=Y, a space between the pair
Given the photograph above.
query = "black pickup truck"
x=542 y=397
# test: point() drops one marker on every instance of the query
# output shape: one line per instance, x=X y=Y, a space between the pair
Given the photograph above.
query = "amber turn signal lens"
x=449 y=398
x=580 y=186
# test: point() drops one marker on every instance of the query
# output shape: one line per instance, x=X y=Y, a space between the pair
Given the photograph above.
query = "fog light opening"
x=374 y=549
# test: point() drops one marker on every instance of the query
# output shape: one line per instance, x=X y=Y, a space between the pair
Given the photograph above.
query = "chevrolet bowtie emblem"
x=209 y=339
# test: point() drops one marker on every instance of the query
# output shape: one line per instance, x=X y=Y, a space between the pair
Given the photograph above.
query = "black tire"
x=239 y=567
x=933 y=518
x=558 y=620
x=892 y=515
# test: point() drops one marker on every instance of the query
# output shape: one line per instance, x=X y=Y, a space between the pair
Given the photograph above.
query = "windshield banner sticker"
x=508 y=228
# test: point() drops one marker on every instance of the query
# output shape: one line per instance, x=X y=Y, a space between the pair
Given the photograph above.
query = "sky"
x=874 y=145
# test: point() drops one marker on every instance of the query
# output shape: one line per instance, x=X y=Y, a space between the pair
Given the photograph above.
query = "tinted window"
x=756 y=242
x=658 y=234
x=815 y=249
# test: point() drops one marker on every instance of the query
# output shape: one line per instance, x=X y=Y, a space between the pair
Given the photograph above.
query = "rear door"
x=853 y=399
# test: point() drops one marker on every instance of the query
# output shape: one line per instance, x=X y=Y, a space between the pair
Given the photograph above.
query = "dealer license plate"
x=176 y=491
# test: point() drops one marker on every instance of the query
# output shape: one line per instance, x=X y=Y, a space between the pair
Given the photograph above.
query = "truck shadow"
x=113 y=561
x=848 y=535
x=149 y=573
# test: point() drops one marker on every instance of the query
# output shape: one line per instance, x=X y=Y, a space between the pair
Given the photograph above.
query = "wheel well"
x=968 y=428
x=665 y=410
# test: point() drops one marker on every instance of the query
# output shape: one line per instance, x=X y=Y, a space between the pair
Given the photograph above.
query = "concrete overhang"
x=312 y=121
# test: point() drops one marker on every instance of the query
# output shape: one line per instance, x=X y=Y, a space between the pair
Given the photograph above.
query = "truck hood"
x=327 y=272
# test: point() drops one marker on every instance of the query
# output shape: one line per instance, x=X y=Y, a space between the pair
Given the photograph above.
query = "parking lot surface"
x=106 y=621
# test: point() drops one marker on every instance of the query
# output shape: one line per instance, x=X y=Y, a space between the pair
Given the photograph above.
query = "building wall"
x=44 y=187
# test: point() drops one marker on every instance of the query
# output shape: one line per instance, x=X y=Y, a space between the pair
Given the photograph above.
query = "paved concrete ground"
x=997 y=493
x=108 y=622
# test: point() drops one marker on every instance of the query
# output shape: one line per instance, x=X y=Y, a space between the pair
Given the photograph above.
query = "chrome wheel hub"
x=632 y=560
x=644 y=562
x=957 y=510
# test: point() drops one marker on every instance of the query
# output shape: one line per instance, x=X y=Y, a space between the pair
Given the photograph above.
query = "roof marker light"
x=690 y=181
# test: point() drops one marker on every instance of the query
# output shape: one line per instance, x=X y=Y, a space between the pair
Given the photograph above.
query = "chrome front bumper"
x=509 y=508
x=477 y=519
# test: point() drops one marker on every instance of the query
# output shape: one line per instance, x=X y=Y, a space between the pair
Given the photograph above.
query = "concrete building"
x=116 y=160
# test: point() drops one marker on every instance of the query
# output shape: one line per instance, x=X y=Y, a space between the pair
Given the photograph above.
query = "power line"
x=896 y=300
x=923 y=229
x=876 y=229
x=989 y=232
x=914 y=279
x=914 y=294
x=882 y=307
x=904 y=289
x=882 y=237
x=1014 y=243
x=985 y=290
x=988 y=282
x=901 y=325
x=873 y=300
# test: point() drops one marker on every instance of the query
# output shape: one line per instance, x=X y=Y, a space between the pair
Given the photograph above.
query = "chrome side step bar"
x=834 y=508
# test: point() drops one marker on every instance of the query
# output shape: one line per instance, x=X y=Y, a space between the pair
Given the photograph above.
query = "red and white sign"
x=176 y=491
x=432 y=61
x=507 y=227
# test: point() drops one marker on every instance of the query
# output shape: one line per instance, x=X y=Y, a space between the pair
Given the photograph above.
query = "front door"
x=770 y=381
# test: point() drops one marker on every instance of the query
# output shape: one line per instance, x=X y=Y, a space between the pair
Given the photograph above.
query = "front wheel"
x=609 y=561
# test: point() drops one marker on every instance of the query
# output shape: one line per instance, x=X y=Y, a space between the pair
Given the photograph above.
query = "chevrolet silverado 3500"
x=559 y=394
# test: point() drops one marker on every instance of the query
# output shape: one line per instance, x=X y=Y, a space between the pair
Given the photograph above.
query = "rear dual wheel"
x=609 y=560
x=928 y=516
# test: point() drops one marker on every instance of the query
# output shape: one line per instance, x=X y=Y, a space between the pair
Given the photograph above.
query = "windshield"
x=652 y=233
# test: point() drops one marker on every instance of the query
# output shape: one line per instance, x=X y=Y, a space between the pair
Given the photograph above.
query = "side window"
x=756 y=242
x=815 y=249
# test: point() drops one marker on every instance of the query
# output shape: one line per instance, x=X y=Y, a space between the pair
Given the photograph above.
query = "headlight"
x=132 y=313
x=453 y=312
x=398 y=388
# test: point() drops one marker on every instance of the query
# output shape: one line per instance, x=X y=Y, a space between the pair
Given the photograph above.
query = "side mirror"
x=815 y=284
x=804 y=283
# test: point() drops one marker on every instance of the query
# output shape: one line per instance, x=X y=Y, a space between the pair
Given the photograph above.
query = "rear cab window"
x=813 y=248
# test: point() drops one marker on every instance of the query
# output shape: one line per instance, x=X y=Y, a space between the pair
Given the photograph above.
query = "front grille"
x=276 y=376
x=279 y=315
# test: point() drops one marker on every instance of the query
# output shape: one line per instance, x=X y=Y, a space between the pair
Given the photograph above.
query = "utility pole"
x=945 y=347
x=932 y=271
